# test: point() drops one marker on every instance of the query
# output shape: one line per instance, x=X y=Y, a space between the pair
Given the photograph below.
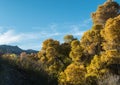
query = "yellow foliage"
x=111 y=34
x=76 y=51
x=74 y=74
x=108 y=10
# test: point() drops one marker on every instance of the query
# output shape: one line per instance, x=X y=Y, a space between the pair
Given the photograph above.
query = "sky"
x=27 y=23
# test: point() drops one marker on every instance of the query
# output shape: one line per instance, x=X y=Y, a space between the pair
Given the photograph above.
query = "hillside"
x=12 y=75
x=14 y=49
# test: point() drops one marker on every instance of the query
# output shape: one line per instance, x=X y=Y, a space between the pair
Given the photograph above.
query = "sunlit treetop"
x=110 y=0
x=109 y=9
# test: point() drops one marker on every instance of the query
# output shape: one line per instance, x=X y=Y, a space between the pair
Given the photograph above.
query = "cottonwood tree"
x=111 y=34
x=109 y=9
x=74 y=74
x=76 y=51
x=91 y=41
x=69 y=38
x=49 y=57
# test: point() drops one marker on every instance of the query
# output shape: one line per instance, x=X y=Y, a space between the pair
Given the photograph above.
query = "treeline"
x=93 y=60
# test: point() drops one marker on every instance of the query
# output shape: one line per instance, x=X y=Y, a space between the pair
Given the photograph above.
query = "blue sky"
x=27 y=23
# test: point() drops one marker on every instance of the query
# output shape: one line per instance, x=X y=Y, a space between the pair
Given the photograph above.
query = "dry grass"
x=109 y=79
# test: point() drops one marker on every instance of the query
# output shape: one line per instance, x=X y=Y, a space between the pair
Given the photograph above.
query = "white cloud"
x=76 y=31
x=9 y=37
x=86 y=23
x=49 y=34
x=34 y=39
x=25 y=40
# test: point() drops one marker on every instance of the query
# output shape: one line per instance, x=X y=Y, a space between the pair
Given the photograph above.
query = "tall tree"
x=49 y=56
x=69 y=38
x=111 y=34
x=91 y=40
x=74 y=74
x=76 y=51
x=109 y=9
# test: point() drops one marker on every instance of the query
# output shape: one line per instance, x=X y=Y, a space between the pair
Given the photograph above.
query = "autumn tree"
x=65 y=49
x=76 y=53
x=91 y=41
x=111 y=44
x=50 y=43
x=111 y=34
x=63 y=55
x=54 y=56
x=74 y=74
x=109 y=59
x=23 y=55
x=106 y=62
x=69 y=38
x=96 y=67
x=95 y=70
x=109 y=9
x=84 y=62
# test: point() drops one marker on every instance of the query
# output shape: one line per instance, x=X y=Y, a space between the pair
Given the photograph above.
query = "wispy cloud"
x=34 y=39
x=77 y=32
x=86 y=23
x=9 y=37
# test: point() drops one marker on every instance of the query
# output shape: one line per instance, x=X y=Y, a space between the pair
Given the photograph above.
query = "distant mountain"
x=14 y=49
x=30 y=51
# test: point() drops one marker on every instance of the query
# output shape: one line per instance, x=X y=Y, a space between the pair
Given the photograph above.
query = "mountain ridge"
x=14 y=49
